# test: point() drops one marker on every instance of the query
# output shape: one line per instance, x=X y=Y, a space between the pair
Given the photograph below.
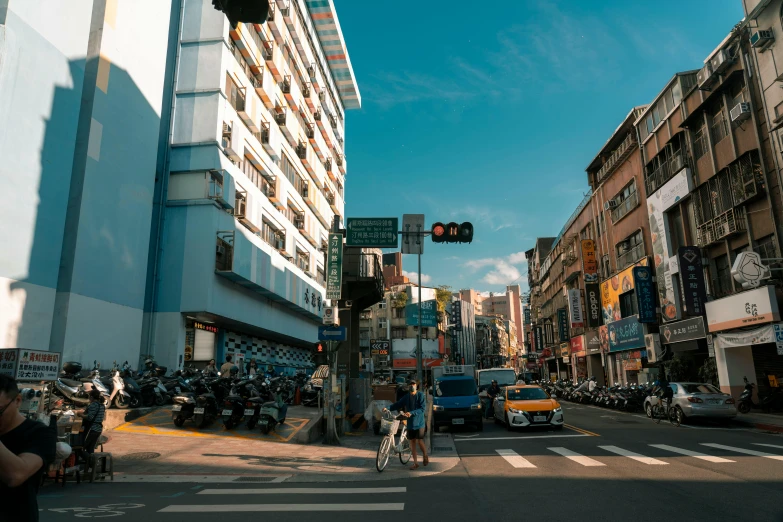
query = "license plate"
x=227 y=412
x=458 y=421
x=176 y=407
x=539 y=418
x=714 y=401
x=198 y=410
x=264 y=422
x=249 y=412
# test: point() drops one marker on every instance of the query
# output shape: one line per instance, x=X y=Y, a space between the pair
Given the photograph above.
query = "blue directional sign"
x=332 y=333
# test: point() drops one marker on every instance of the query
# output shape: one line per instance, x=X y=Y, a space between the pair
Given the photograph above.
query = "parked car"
x=694 y=399
x=529 y=405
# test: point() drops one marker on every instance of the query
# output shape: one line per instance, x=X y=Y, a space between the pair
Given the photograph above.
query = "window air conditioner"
x=704 y=76
x=762 y=39
x=220 y=250
x=720 y=61
x=740 y=112
x=610 y=205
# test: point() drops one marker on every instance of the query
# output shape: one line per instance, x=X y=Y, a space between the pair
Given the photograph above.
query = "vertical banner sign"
x=589 y=261
x=692 y=277
x=593 y=300
x=562 y=324
x=526 y=311
x=456 y=315
x=645 y=298
x=575 y=304
x=669 y=297
x=539 y=338
x=549 y=333
x=334 y=267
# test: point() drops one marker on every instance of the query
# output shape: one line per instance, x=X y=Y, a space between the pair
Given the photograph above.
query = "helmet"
x=592 y=377
x=234 y=370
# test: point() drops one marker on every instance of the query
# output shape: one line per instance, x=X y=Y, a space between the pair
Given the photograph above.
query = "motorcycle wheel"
x=134 y=402
x=179 y=421
x=200 y=420
x=265 y=428
x=743 y=407
x=160 y=400
x=252 y=423
x=229 y=423
x=147 y=401
x=121 y=401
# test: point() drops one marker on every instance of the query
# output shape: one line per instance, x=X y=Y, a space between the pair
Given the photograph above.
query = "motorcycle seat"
x=71 y=382
x=255 y=400
x=270 y=404
x=208 y=395
x=233 y=398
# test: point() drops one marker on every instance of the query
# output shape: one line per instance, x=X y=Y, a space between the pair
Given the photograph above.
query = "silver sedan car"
x=693 y=399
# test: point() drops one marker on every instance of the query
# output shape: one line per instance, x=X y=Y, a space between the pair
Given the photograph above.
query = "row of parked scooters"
x=617 y=397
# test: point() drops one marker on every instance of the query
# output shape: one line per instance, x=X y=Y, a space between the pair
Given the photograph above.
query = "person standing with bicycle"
x=415 y=406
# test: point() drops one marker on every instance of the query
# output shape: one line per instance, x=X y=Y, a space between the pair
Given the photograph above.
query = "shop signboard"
x=632 y=365
x=625 y=334
x=575 y=305
x=668 y=295
x=681 y=331
x=526 y=312
x=29 y=365
x=549 y=332
x=562 y=323
x=578 y=345
x=456 y=315
x=645 y=298
x=692 y=277
x=603 y=336
x=565 y=350
x=592 y=342
x=749 y=308
x=334 y=267
x=762 y=335
x=676 y=189
x=778 y=329
x=539 y=338
x=589 y=261
x=612 y=288
x=593 y=302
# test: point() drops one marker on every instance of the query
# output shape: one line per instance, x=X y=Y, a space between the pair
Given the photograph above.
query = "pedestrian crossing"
x=604 y=451
x=205 y=497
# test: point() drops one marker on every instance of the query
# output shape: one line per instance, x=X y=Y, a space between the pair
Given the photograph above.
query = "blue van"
x=455 y=400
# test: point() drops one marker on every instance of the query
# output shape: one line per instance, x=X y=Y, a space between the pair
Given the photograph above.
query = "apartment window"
x=399 y=332
x=722 y=283
x=700 y=145
x=720 y=125
x=628 y=305
x=399 y=313
x=382 y=305
x=321 y=276
x=302 y=260
x=676 y=229
x=291 y=173
x=630 y=250
x=766 y=248
x=606 y=268
x=625 y=201
x=235 y=95
x=272 y=236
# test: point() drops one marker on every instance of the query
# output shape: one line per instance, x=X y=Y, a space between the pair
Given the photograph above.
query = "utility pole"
x=332 y=347
x=419 y=365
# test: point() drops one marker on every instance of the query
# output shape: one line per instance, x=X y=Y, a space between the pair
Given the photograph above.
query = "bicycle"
x=659 y=413
x=390 y=423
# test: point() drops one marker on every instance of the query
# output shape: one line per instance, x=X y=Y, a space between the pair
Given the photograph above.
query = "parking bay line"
x=521 y=438
x=301 y=491
x=515 y=459
x=688 y=453
x=237 y=508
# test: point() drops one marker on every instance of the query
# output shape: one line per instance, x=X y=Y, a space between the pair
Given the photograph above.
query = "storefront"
x=564 y=361
x=626 y=346
x=578 y=357
x=686 y=340
x=593 y=355
x=743 y=347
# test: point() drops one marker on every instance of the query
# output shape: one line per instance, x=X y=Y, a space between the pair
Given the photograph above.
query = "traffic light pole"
x=419 y=365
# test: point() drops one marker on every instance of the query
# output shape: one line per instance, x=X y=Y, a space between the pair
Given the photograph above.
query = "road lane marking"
x=301 y=491
x=702 y=456
x=576 y=457
x=513 y=458
x=745 y=451
x=635 y=456
x=768 y=445
x=581 y=430
x=521 y=438
x=237 y=508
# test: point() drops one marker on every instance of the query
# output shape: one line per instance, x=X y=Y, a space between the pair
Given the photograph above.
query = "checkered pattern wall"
x=267 y=352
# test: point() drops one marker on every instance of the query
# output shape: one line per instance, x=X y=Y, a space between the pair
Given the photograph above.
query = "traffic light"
x=245 y=11
x=319 y=348
x=452 y=232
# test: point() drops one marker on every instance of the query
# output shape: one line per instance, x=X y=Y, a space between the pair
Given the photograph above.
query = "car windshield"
x=455 y=388
x=504 y=378
x=526 y=394
x=700 y=388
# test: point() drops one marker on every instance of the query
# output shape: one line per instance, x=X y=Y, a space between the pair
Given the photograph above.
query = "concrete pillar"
x=733 y=365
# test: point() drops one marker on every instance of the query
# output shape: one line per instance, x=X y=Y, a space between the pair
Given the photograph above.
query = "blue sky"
x=490 y=112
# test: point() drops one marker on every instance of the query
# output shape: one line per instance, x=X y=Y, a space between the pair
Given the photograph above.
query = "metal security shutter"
x=204 y=348
x=767 y=362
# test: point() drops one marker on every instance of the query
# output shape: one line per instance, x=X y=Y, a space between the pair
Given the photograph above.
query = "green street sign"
x=372 y=232
x=334 y=267
x=429 y=314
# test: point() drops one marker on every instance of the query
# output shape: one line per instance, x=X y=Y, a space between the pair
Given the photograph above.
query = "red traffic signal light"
x=452 y=232
x=319 y=348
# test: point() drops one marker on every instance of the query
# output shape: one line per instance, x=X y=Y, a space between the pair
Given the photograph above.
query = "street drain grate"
x=144 y=455
x=253 y=479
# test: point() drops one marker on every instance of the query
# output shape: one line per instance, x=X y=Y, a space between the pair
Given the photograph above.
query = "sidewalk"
x=761 y=421
x=141 y=457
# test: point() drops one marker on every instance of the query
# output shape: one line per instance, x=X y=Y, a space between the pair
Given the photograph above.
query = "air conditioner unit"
x=299 y=223
x=322 y=96
x=610 y=205
x=279 y=244
x=265 y=136
x=720 y=61
x=240 y=208
x=704 y=77
x=740 y=112
x=305 y=192
x=220 y=250
x=762 y=39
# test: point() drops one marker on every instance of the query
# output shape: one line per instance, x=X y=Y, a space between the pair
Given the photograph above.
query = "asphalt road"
x=604 y=466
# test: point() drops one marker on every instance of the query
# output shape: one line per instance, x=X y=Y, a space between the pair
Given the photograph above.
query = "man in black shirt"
x=26 y=448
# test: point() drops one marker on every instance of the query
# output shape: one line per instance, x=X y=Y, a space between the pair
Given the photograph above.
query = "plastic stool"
x=104 y=459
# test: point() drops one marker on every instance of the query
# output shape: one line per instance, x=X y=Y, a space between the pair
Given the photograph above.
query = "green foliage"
x=399 y=300
x=709 y=371
x=443 y=296
x=676 y=369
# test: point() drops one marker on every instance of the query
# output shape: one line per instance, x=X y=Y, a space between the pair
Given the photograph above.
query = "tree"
x=709 y=371
x=443 y=295
x=400 y=299
x=676 y=368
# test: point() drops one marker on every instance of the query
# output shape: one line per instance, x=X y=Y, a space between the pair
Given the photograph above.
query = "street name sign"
x=372 y=232
x=429 y=314
x=334 y=267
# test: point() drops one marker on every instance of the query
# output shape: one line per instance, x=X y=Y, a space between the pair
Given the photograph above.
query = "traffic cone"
x=297 y=397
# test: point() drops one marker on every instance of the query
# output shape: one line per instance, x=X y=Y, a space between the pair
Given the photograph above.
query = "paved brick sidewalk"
x=159 y=458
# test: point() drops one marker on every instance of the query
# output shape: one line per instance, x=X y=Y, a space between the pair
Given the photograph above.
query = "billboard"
x=612 y=288
x=404 y=353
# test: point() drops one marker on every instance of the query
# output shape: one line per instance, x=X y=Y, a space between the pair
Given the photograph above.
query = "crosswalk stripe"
x=513 y=458
x=702 y=456
x=635 y=456
x=237 y=508
x=768 y=445
x=745 y=451
x=300 y=491
x=576 y=457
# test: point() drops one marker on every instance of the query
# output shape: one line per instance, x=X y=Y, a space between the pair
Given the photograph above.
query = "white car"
x=694 y=399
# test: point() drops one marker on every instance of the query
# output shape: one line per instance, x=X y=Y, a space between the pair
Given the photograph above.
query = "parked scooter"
x=766 y=402
x=206 y=409
x=234 y=403
x=272 y=413
x=77 y=391
x=119 y=397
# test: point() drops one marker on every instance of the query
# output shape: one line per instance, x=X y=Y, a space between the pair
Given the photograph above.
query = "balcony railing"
x=730 y=222
x=619 y=154
x=666 y=171
x=630 y=257
x=628 y=204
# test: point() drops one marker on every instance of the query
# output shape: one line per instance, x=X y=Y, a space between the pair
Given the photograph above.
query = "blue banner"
x=429 y=314
x=562 y=324
x=645 y=294
x=625 y=334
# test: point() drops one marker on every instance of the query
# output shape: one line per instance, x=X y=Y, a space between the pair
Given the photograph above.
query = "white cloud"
x=504 y=270
x=414 y=277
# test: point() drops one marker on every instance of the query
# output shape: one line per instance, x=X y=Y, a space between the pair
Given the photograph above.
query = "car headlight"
x=557 y=410
x=435 y=407
x=512 y=410
x=476 y=406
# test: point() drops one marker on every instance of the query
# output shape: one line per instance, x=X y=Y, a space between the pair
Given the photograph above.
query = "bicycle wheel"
x=674 y=418
x=405 y=451
x=656 y=414
x=382 y=458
